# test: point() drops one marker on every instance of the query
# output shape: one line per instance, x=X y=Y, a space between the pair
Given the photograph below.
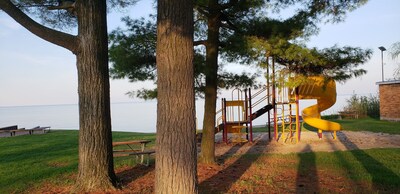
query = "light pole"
x=382 y=49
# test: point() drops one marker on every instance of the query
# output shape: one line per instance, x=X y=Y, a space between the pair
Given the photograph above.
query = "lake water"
x=131 y=116
x=140 y=117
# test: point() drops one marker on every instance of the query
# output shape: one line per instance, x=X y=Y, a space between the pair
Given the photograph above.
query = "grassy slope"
x=29 y=159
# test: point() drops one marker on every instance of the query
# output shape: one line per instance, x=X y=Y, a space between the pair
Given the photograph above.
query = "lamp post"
x=382 y=49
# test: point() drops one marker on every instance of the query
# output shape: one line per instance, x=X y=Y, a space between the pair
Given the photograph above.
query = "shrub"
x=363 y=105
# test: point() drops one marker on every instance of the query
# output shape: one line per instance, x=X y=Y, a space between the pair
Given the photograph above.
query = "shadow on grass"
x=129 y=175
x=233 y=150
x=345 y=164
x=307 y=176
x=222 y=182
x=382 y=177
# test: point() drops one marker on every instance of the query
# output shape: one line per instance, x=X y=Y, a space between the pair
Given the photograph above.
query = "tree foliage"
x=395 y=53
x=242 y=23
x=60 y=14
x=133 y=51
x=249 y=31
x=133 y=56
x=337 y=63
x=363 y=105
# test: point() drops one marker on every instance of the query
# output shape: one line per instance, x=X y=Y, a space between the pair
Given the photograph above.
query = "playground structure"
x=282 y=107
x=325 y=93
x=237 y=114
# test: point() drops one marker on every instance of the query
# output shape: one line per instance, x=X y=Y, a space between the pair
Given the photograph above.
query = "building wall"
x=389 y=95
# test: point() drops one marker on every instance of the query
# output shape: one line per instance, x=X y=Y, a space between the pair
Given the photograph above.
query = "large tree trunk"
x=96 y=168
x=208 y=137
x=176 y=154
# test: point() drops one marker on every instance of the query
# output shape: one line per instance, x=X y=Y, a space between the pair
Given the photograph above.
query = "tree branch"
x=202 y=10
x=62 y=39
x=228 y=5
x=199 y=42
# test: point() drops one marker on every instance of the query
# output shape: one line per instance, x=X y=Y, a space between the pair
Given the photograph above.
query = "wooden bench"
x=11 y=129
x=132 y=151
x=14 y=129
x=38 y=128
x=348 y=114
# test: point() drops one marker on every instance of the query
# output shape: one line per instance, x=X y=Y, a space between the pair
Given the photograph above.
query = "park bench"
x=38 y=128
x=131 y=150
x=14 y=129
x=11 y=129
x=348 y=114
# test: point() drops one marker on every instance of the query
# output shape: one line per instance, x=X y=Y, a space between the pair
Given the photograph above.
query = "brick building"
x=389 y=95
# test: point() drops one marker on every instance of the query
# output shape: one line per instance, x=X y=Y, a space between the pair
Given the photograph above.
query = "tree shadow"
x=382 y=177
x=129 y=175
x=344 y=163
x=226 y=177
x=307 y=176
x=233 y=150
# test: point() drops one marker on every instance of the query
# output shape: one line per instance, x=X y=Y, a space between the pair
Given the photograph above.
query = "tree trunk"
x=208 y=137
x=96 y=168
x=176 y=153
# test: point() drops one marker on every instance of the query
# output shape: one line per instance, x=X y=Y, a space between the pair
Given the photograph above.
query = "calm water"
x=140 y=117
x=132 y=116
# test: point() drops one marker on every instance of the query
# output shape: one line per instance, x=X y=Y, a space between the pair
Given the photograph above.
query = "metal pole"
x=382 y=49
x=274 y=100
x=382 y=65
x=269 y=100
x=251 y=117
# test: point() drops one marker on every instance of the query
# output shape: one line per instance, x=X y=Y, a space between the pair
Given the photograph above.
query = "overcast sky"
x=35 y=72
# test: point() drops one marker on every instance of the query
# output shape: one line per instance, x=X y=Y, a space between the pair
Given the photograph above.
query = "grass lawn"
x=28 y=160
x=363 y=124
x=357 y=171
x=370 y=124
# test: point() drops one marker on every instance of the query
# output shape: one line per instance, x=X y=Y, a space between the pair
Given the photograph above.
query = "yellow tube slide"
x=325 y=93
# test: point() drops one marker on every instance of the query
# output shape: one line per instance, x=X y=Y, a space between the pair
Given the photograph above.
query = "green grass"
x=357 y=171
x=379 y=167
x=370 y=124
x=362 y=124
x=28 y=160
x=376 y=167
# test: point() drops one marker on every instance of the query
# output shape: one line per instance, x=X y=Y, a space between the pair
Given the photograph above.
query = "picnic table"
x=14 y=129
x=348 y=114
x=130 y=148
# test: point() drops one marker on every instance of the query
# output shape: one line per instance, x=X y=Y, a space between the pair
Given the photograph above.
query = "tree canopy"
x=60 y=14
x=395 y=53
x=247 y=32
x=133 y=56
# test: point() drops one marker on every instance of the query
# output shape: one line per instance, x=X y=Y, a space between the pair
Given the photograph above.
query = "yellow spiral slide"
x=325 y=93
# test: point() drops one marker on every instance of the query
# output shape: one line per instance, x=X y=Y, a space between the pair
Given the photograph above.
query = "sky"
x=36 y=72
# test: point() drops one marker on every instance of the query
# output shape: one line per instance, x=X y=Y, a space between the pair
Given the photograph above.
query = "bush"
x=330 y=117
x=363 y=105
